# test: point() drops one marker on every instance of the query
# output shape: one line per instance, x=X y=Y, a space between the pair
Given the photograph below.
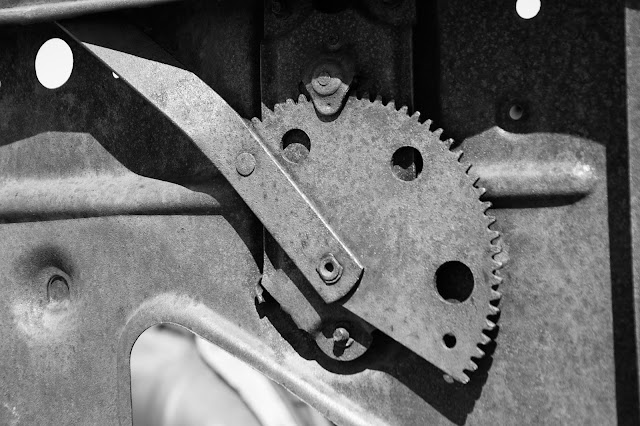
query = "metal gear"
x=409 y=208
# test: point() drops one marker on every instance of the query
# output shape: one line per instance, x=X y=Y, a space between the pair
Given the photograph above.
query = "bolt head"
x=329 y=269
x=245 y=164
x=324 y=78
x=341 y=337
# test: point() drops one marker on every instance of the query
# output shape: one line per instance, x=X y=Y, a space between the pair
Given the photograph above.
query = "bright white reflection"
x=54 y=63
x=527 y=9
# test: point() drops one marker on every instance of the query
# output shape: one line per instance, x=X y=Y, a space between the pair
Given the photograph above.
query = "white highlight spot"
x=527 y=9
x=116 y=76
x=54 y=63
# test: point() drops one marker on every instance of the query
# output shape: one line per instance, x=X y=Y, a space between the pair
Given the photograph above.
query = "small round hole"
x=449 y=340
x=454 y=281
x=328 y=266
x=406 y=163
x=516 y=112
x=527 y=9
x=54 y=63
x=296 y=145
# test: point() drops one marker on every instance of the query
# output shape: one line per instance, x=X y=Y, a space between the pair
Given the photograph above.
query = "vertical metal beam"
x=633 y=117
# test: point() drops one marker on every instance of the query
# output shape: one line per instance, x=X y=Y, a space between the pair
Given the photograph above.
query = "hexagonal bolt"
x=329 y=269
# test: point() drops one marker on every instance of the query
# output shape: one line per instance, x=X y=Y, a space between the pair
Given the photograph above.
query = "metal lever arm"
x=222 y=135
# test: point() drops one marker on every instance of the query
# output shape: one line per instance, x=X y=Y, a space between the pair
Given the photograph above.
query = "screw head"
x=333 y=43
x=329 y=269
x=245 y=164
x=341 y=337
x=324 y=78
x=277 y=8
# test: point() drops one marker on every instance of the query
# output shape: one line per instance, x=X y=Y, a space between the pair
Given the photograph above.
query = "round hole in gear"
x=406 y=163
x=449 y=340
x=296 y=145
x=454 y=281
x=328 y=266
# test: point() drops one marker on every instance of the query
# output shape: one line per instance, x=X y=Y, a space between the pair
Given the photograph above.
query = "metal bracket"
x=239 y=154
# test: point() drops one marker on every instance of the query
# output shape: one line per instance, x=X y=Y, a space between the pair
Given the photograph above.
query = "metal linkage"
x=239 y=154
x=32 y=10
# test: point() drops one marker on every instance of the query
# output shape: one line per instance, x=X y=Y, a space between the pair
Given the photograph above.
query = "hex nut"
x=329 y=269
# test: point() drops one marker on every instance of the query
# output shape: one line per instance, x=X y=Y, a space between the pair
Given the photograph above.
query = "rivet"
x=57 y=289
x=245 y=164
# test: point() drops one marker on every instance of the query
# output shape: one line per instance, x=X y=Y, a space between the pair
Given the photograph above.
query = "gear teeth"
x=485 y=339
x=494 y=240
x=266 y=111
x=490 y=219
x=449 y=143
x=255 y=121
x=364 y=101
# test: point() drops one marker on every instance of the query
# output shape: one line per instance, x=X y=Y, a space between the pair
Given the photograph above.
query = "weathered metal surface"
x=556 y=360
x=68 y=363
x=404 y=240
x=222 y=136
x=376 y=35
x=228 y=31
x=565 y=352
x=632 y=14
x=26 y=11
x=283 y=282
x=534 y=169
x=328 y=80
x=84 y=191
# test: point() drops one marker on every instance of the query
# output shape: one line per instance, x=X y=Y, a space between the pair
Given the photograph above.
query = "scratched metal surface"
x=558 y=357
x=556 y=360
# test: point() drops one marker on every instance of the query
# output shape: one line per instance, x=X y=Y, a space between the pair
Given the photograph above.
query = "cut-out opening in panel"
x=180 y=378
